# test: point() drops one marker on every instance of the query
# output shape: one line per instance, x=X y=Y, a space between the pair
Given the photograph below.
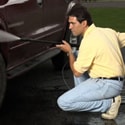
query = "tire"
x=61 y=60
x=2 y=80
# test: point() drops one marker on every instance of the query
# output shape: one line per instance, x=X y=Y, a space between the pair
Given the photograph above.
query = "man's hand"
x=65 y=47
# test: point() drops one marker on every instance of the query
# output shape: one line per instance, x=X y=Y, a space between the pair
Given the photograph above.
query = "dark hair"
x=81 y=13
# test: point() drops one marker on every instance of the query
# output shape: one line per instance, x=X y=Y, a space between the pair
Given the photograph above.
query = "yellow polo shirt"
x=100 y=54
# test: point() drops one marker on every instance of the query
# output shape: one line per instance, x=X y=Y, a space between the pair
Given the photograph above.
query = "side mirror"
x=2 y=2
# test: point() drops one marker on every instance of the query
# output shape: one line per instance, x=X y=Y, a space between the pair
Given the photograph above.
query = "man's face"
x=75 y=26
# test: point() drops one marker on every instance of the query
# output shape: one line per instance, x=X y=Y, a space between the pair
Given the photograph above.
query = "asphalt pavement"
x=104 y=4
x=31 y=100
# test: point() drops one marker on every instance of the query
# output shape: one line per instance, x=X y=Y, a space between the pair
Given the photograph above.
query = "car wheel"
x=61 y=60
x=2 y=79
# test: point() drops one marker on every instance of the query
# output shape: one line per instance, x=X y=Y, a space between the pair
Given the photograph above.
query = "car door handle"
x=40 y=2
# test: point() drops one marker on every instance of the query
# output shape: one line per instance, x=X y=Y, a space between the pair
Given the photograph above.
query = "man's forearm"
x=71 y=63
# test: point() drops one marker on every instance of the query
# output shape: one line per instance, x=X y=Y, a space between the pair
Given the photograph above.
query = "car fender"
x=71 y=4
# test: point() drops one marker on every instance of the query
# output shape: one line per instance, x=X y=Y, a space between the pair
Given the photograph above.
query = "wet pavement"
x=31 y=100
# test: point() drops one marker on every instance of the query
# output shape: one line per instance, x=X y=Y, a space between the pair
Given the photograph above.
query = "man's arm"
x=67 y=48
x=121 y=37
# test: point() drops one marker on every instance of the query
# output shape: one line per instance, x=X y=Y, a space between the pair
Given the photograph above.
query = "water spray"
x=6 y=37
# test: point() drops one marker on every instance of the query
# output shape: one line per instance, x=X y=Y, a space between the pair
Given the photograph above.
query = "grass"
x=109 y=17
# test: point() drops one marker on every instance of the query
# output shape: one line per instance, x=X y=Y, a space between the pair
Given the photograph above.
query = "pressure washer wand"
x=45 y=41
x=8 y=37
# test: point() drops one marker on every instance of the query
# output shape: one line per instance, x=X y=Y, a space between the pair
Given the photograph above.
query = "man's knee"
x=63 y=104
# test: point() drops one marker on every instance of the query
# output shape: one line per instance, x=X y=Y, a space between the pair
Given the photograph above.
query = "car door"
x=54 y=12
x=36 y=19
x=24 y=19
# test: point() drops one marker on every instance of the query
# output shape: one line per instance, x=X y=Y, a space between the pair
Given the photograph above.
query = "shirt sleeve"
x=85 y=58
x=121 y=38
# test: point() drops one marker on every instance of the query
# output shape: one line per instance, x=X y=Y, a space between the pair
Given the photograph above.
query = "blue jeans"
x=93 y=95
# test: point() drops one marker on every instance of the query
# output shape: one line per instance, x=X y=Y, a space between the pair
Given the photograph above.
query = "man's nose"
x=70 y=26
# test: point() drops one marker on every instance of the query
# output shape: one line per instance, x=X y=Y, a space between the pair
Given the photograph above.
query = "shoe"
x=113 y=111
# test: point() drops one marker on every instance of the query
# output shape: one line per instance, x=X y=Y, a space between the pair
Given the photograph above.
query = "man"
x=100 y=56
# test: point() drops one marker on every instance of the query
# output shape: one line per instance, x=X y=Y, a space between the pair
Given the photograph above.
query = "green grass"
x=109 y=17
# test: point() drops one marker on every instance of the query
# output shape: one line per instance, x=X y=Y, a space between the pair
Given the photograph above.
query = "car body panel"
x=36 y=19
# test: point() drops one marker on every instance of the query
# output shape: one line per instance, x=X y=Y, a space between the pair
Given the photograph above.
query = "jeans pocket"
x=110 y=88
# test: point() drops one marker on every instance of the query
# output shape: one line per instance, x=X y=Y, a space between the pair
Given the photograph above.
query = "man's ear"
x=84 y=23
